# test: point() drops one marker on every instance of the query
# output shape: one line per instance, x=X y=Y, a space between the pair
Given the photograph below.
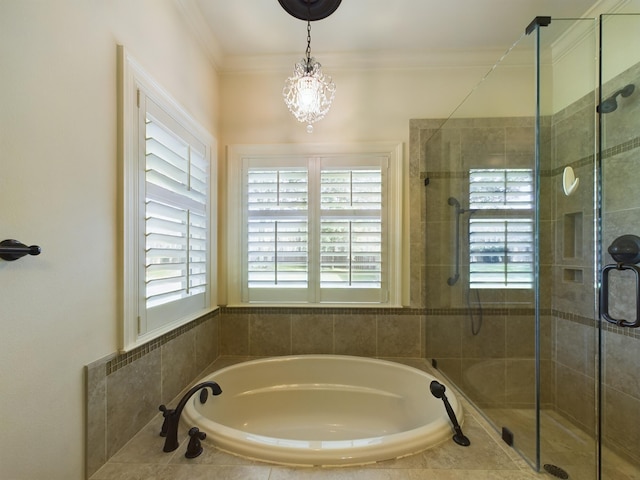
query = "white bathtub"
x=322 y=410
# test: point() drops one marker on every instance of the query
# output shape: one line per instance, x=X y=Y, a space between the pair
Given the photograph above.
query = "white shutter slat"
x=176 y=186
x=166 y=170
x=277 y=234
x=161 y=189
x=351 y=232
x=157 y=133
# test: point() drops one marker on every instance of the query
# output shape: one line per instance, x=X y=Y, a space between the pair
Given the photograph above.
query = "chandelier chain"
x=308 y=34
x=308 y=41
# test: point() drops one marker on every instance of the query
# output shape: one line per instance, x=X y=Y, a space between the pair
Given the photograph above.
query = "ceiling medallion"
x=310 y=9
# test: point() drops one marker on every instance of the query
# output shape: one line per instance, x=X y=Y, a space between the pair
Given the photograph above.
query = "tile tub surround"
x=368 y=332
x=123 y=391
x=488 y=458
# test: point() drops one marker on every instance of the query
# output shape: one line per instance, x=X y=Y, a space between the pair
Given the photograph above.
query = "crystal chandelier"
x=309 y=92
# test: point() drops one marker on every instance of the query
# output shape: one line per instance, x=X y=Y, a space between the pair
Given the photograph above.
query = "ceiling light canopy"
x=309 y=92
x=310 y=10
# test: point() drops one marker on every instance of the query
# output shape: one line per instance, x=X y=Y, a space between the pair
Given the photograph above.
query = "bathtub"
x=322 y=410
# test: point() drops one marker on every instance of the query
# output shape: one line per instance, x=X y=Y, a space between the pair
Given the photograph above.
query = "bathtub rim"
x=370 y=450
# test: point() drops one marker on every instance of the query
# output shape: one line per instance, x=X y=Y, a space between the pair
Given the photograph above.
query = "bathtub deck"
x=488 y=458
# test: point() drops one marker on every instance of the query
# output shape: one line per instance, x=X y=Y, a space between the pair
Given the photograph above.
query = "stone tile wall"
x=621 y=215
x=124 y=391
x=495 y=365
x=369 y=332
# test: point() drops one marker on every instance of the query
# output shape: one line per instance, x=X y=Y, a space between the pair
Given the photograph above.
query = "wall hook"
x=569 y=181
x=12 y=250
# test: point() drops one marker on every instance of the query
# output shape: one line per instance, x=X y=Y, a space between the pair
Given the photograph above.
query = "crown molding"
x=332 y=62
x=374 y=60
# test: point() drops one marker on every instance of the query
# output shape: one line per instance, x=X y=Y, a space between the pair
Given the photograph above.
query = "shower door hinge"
x=139 y=325
x=138 y=98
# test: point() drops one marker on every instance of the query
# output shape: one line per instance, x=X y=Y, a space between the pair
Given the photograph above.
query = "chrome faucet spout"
x=172 y=417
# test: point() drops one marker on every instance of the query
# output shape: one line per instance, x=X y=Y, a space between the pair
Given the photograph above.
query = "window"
x=501 y=228
x=167 y=211
x=314 y=228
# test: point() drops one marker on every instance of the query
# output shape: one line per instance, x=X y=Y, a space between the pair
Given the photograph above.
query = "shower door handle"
x=604 y=296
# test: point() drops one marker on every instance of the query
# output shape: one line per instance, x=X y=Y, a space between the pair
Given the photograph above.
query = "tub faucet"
x=172 y=417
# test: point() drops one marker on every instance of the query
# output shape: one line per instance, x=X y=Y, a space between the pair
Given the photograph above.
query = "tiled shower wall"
x=495 y=365
x=574 y=294
x=621 y=213
x=571 y=143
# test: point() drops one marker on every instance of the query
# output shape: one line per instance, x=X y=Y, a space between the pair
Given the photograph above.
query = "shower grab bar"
x=451 y=281
x=12 y=250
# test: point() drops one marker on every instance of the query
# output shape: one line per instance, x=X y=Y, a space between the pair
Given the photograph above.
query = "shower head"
x=453 y=202
x=607 y=106
x=437 y=389
x=611 y=104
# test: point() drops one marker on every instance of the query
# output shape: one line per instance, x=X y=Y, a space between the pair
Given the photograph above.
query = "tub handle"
x=194 y=448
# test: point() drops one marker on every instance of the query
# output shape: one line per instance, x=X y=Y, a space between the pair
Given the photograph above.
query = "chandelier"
x=308 y=93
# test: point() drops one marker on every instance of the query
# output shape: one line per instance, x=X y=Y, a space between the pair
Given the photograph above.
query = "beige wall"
x=369 y=106
x=58 y=189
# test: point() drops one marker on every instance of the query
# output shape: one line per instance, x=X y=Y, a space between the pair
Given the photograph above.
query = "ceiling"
x=260 y=34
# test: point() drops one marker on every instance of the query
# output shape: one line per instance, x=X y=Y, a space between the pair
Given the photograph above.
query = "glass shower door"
x=480 y=242
x=567 y=85
x=619 y=114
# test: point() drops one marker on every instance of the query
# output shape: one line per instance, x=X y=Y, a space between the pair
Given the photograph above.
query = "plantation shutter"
x=277 y=231
x=501 y=229
x=176 y=183
x=351 y=255
x=315 y=230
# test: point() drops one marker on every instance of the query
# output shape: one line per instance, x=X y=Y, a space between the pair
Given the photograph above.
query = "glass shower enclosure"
x=524 y=188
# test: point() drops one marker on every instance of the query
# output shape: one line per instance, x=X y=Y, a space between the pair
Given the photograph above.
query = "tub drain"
x=556 y=471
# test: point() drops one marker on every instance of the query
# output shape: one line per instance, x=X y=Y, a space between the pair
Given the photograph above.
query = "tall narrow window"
x=501 y=229
x=176 y=227
x=167 y=211
x=277 y=229
x=316 y=229
x=351 y=228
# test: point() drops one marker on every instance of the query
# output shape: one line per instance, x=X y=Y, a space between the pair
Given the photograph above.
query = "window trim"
x=134 y=82
x=237 y=154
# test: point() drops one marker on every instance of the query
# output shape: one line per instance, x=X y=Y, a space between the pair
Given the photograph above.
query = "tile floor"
x=564 y=445
x=487 y=458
